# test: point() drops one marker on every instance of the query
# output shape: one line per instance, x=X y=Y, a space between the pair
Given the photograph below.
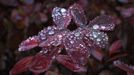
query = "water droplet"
x=71 y=41
x=41 y=51
x=77 y=34
x=53 y=57
x=98 y=39
x=103 y=27
x=20 y=49
x=81 y=45
x=95 y=26
x=63 y=10
x=49 y=28
x=60 y=36
x=51 y=32
x=43 y=37
x=94 y=35
x=56 y=43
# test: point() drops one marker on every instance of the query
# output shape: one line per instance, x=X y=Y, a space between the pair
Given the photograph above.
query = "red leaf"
x=61 y=17
x=78 y=14
x=40 y=63
x=103 y=22
x=68 y=62
x=114 y=48
x=97 y=53
x=21 y=66
x=30 y=43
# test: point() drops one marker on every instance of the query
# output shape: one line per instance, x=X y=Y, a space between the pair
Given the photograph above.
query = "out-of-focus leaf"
x=21 y=65
x=27 y=1
x=97 y=53
x=130 y=73
x=123 y=1
x=18 y=19
x=117 y=57
x=78 y=14
x=126 y=12
x=114 y=48
x=9 y=2
x=128 y=68
x=43 y=17
x=53 y=71
x=106 y=72
x=131 y=21
x=83 y=3
x=40 y=63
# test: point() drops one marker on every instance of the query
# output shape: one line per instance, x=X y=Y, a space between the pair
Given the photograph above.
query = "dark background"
x=20 y=19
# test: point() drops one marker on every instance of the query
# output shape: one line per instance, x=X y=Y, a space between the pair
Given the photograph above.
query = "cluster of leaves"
x=23 y=18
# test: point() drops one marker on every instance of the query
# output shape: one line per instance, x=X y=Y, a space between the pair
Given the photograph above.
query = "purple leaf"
x=61 y=17
x=46 y=32
x=73 y=39
x=78 y=14
x=79 y=56
x=76 y=48
x=126 y=12
x=29 y=43
x=99 y=38
x=52 y=36
x=103 y=22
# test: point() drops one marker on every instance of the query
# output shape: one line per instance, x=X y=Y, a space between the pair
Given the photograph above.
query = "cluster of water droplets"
x=100 y=38
x=49 y=31
x=59 y=12
x=61 y=17
x=58 y=38
x=103 y=27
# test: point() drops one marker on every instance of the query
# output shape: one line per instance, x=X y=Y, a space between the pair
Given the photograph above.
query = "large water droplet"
x=96 y=26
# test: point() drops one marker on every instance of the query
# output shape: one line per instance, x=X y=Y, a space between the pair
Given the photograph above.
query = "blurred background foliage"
x=20 y=19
